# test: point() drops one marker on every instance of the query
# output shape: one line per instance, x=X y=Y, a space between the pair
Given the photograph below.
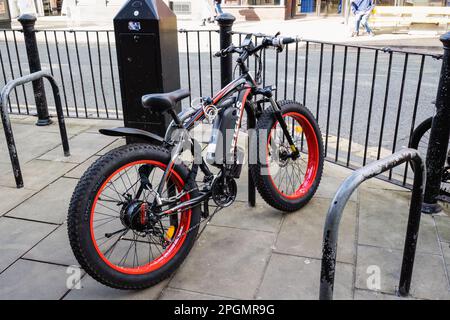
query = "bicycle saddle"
x=161 y=102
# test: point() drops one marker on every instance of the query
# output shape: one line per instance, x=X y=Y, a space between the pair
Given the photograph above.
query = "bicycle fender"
x=132 y=132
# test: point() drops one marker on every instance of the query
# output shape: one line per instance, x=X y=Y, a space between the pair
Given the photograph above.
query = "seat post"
x=175 y=117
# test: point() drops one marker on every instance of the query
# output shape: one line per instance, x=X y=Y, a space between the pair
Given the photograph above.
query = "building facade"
x=39 y=7
x=284 y=9
x=252 y=10
x=78 y=9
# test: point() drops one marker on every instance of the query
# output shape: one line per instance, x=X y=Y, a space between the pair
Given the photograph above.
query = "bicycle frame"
x=246 y=87
x=230 y=89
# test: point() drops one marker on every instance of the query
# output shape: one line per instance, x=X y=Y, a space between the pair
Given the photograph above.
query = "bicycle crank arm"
x=186 y=205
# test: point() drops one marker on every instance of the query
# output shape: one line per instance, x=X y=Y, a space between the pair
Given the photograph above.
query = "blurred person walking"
x=207 y=13
x=362 y=9
x=218 y=7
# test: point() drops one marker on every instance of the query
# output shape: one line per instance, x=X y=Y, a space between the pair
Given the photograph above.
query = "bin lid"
x=144 y=10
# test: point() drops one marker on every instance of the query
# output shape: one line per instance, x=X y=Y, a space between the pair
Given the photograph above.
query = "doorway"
x=330 y=7
x=300 y=7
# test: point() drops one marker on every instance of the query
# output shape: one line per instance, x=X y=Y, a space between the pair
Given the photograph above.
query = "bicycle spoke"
x=287 y=174
x=113 y=210
x=108 y=252
x=110 y=220
x=115 y=215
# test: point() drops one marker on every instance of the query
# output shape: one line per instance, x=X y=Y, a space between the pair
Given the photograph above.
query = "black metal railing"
x=367 y=100
x=83 y=62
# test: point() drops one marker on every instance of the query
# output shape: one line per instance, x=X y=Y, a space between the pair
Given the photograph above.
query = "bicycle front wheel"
x=285 y=183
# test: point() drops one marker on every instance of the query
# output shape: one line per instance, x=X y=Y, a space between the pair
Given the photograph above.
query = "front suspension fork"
x=279 y=116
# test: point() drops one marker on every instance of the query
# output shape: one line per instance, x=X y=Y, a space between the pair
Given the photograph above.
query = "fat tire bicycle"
x=136 y=212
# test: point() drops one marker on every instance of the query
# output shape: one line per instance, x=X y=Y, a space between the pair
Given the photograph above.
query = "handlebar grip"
x=218 y=54
x=288 y=40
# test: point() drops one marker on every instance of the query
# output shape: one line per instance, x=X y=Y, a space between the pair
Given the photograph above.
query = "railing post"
x=439 y=136
x=412 y=231
x=225 y=21
x=28 y=21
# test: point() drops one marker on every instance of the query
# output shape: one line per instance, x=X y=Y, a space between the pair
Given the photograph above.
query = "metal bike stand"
x=225 y=22
x=251 y=125
x=331 y=229
x=4 y=96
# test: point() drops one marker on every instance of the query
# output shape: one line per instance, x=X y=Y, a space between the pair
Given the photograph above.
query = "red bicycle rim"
x=179 y=237
x=313 y=157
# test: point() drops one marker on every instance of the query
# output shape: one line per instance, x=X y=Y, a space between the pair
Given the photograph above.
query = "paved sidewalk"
x=245 y=253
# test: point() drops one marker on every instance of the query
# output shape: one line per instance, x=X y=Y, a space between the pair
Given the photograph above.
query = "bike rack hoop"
x=335 y=211
x=4 y=96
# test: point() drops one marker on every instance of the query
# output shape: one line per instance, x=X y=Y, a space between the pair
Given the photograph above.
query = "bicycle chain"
x=196 y=225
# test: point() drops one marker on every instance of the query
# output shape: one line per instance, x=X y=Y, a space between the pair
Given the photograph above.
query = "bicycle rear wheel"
x=115 y=232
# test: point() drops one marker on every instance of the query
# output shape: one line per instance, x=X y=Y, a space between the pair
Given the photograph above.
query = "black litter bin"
x=147 y=55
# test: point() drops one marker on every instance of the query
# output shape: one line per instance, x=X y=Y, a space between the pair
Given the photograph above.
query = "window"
x=434 y=3
x=385 y=2
x=264 y=2
x=180 y=8
x=409 y=3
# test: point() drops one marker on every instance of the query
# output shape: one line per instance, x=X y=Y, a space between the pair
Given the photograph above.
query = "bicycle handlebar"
x=276 y=42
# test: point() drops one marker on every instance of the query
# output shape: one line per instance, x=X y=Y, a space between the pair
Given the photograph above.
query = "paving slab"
x=177 y=294
x=12 y=197
x=374 y=295
x=332 y=178
x=5 y=166
x=301 y=232
x=96 y=124
x=376 y=183
x=24 y=119
x=291 y=277
x=37 y=174
x=241 y=215
x=429 y=279
x=55 y=248
x=383 y=220
x=79 y=170
x=93 y=290
x=117 y=143
x=226 y=262
x=72 y=127
x=82 y=147
x=31 y=142
x=443 y=226
x=49 y=205
x=336 y=170
x=446 y=251
x=32 y=280
x=18 y=118
x=242 y=184
x=19 y=236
